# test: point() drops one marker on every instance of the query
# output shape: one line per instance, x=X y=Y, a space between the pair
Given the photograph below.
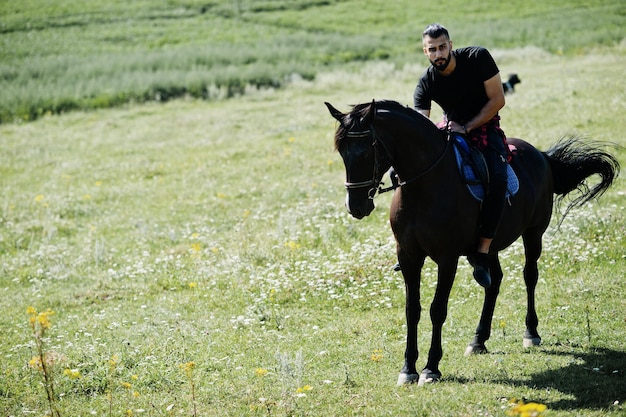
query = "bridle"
x=375 y=184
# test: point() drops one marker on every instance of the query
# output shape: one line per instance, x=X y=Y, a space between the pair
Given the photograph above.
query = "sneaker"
x=480 y=262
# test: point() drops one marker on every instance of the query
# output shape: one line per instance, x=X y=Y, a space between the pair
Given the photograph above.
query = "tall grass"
x=62 y=56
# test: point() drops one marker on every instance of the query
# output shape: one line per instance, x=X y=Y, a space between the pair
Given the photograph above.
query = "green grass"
x=63 y=56
x=215 y=233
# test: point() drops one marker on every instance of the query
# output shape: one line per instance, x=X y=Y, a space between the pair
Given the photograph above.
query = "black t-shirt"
x=461 y=94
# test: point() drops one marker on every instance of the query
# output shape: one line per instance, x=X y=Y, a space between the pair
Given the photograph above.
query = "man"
x=466 y=84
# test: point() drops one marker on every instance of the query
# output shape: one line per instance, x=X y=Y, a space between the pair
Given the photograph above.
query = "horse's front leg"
x=411 y=271
x=483 y=331
x=438 y=314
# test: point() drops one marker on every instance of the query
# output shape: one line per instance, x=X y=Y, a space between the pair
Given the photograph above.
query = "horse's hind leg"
x=483 y=331
x=532 y=248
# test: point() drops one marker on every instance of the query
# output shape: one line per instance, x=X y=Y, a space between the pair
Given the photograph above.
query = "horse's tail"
x=572 y=161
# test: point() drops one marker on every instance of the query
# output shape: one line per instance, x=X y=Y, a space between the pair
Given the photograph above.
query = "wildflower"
x=196 y=247
x=188 y=368
x=87 y=197
x=43 y=319
x=40 y=322
x=377 y=355
x=39 y=198
x=304 y=389
x=98 y=183
x=292 y=139
x=261 y=372
x=35 y=363
x=521 y=409
x=113 y=362
x=246 y=213
x=292 y=245
x=127 y=385
x=221 y=196
x=134 y=377
x=72 y=373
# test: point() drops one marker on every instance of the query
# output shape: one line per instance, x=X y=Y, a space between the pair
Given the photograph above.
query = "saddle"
x=474 y=172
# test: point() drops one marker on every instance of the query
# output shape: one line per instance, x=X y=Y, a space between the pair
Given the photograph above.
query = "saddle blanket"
x=474 y=185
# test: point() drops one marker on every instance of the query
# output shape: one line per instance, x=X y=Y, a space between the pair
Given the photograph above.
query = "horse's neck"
x=418 y=149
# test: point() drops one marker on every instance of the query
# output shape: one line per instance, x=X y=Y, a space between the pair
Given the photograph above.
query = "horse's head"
x=357 y=143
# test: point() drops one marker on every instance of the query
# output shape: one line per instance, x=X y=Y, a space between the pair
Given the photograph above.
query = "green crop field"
x=173 y=239
x=62 y=56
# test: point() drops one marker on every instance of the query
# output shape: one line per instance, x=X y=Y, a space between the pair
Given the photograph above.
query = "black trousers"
x=493 y=204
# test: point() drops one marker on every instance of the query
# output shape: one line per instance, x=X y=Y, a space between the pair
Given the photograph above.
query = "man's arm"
x=495 y=94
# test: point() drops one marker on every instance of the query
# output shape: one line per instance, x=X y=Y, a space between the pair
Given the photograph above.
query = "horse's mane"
x=361 y=111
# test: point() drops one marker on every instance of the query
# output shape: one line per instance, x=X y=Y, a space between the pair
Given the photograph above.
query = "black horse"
x=433 y=214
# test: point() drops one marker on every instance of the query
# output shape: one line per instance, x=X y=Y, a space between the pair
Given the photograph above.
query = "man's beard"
x=441 y=64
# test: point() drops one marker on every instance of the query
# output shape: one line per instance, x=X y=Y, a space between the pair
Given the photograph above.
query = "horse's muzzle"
x=359 y=206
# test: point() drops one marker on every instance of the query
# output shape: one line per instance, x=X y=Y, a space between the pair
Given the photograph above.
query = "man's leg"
x=493 y=206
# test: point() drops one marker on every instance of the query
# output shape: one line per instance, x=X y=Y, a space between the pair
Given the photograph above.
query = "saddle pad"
x=467 y=173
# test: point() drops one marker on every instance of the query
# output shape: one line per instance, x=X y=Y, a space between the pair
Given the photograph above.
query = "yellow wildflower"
x=35 y=362
x=377 y=355
x=261 y=372
x=305 y=388
x=531 y=409
x=292 y=245
x=72 y=373
x=43 y=319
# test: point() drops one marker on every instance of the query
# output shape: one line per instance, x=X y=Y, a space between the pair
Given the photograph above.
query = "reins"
x=374 y=182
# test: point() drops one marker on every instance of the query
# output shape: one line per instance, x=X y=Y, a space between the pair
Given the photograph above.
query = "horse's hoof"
x=428 y=377
x=475 y=350
x=404 y=379
x=532 y=341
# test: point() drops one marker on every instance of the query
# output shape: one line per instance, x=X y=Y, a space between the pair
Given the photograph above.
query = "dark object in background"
x=509 y=86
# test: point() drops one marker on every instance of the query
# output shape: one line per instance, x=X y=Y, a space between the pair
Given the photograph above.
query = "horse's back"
x=530 y=165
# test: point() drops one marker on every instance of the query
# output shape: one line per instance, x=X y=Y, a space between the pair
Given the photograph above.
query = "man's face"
x=438 y=50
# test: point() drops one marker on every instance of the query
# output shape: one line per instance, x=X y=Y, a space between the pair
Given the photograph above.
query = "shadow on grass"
x=594 y=378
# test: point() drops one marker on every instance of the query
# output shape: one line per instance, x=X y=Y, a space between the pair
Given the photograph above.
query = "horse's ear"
x=334 y=112
x=371 y=112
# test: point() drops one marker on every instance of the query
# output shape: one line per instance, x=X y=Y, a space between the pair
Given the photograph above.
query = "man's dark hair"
x=435 y=30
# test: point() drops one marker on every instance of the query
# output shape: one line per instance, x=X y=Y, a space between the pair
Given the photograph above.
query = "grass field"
x=199 y=260
x=65 y=55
